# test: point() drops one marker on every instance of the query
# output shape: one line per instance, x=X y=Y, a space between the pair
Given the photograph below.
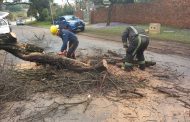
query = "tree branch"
x=33 y=53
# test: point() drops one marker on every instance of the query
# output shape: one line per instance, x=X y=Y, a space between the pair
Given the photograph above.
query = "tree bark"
x=118 y=60
x=33 y=53
x=69 y=3
x=109 y=14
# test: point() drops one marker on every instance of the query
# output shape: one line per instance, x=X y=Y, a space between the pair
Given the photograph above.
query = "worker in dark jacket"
x=135 y=41
x=67 y=37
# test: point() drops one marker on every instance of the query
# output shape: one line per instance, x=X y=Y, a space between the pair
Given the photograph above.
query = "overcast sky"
x=56 y=1
x=64 y=1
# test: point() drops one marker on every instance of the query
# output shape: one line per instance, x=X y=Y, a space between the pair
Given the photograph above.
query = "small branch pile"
x=20 y=84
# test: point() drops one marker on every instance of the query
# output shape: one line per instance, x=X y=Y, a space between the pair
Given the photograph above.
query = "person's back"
x=68 y=35
x=132 y=32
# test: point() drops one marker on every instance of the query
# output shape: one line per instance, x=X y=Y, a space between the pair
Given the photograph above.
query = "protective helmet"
x=54 y=29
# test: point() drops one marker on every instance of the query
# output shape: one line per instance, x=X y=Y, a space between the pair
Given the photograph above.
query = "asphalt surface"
x=43 y=38
x=153 y=107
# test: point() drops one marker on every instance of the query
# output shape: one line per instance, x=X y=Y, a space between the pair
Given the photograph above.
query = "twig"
x=4 y=60
x=103 y=79
x=161 y=75
x=6 y=113
x=62 y=82
x=87 y=104
x=186 y=102
x=5 y=95
x=137 y=93
x=168 y=91
x=113 y=83
x=181 y=89
x=39 y=39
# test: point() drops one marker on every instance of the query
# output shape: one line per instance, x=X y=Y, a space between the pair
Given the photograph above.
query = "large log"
x=118 y=60
x=32 y=53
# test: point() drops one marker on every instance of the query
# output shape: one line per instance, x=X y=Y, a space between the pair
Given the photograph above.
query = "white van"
x=4 y=25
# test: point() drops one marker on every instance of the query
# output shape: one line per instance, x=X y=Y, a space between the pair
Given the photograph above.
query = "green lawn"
x=167 y=33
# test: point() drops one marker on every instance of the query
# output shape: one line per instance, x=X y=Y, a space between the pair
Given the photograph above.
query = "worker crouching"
x=135 y=41
x=67 y=37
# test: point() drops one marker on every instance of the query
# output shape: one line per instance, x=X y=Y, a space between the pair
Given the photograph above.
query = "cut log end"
x=105 y=64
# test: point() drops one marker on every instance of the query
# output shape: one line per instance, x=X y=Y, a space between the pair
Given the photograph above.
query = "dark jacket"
x=131 y=34
x=66 y=37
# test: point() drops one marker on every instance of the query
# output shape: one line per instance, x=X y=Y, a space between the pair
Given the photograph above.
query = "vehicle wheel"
x=82 y=29
x=74 y=31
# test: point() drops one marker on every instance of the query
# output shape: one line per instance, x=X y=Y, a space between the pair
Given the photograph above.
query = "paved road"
x=153 y=107
x=43 y=38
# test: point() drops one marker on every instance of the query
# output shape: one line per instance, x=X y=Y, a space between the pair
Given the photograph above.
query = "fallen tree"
x=32 y=53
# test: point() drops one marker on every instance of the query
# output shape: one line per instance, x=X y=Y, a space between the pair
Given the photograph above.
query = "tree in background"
x=80 y=4
x=143 y=1
x=40 y=9
x=14 y=8
x=1 y=4
x=66 y=10
x=45 y=14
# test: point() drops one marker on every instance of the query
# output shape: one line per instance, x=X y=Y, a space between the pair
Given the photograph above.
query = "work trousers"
x=71 y=51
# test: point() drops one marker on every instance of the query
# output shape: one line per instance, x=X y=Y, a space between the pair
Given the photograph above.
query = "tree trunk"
x=117 y=59
x=69 y=3
x=109 y=14
x=33 y=53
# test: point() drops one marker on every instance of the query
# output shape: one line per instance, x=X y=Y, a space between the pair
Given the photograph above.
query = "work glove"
x=64 y=53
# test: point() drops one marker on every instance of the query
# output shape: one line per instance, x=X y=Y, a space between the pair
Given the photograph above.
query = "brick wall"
x=167 y=12
x=79 y=14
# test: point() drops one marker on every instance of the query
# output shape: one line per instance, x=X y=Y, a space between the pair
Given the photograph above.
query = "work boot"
x=127 y=68
x=73 y=56
x=142 y=66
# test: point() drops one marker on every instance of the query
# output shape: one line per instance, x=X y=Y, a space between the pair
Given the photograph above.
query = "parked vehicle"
x=73 y=22
x=20 y=22
x=4 y=24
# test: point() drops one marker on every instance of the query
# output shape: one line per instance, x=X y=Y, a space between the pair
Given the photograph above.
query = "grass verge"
x=167 y=33
x=40 y=24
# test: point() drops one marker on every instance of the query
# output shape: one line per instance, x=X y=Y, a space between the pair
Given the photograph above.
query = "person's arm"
x=65 y=41
x=125 y=37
